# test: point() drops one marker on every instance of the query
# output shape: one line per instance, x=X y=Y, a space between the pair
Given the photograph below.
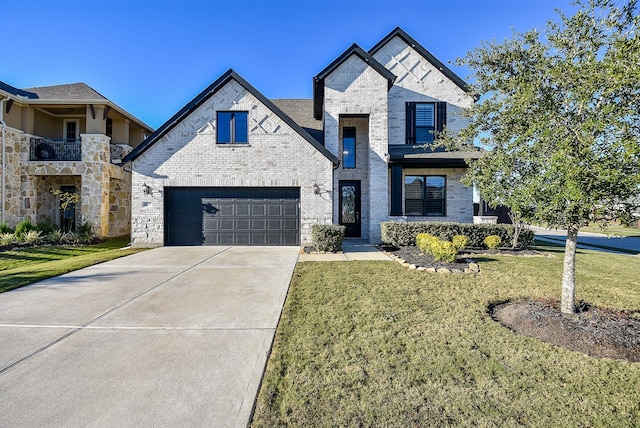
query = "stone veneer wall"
x=354 y=87
x=29 y=184
x=188 y=155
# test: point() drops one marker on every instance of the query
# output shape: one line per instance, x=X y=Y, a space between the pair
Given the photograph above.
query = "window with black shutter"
x=424 y=121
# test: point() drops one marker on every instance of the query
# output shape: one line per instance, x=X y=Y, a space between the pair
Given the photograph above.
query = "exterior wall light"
x=146 y=189
x=316 y=189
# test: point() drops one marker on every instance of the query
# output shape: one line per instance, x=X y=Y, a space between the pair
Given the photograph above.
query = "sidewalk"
x=591 y=241
x=352 y=249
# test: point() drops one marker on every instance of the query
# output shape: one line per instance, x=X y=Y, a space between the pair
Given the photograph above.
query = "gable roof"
x=205 y=95
x=354 y=49
x=399 y=32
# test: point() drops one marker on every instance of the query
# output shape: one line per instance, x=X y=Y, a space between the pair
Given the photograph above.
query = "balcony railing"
x=55 y=149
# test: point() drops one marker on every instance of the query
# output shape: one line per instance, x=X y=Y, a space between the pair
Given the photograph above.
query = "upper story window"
x=232 y=127
x=424 y=120
x=425 y=195
x=348 y=147
x=71 y=130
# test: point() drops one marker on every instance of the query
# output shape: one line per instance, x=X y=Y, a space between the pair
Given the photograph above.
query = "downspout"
x=4 y=131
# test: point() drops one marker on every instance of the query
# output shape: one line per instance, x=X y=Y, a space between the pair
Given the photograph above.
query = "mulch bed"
x=594 y=331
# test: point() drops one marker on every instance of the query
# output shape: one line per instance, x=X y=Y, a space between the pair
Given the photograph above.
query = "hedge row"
x=401 y=234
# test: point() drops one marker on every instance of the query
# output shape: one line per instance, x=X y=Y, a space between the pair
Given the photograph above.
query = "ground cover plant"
x=375 y=344
x=25 y=266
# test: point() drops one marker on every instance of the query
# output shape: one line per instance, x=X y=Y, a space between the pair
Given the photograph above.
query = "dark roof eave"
x=205 y=95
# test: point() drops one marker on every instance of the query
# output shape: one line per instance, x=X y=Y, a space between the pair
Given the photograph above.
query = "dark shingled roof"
x=301 y=111
x=70 y=91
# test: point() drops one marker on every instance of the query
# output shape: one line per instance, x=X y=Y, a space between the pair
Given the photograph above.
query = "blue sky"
x=152 y=57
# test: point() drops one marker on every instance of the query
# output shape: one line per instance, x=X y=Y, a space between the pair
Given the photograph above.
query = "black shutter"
x=441 y=116
x=411 y=123
x=396 y=189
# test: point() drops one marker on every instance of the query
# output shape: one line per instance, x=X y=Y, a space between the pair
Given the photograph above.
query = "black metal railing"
x=61 y=149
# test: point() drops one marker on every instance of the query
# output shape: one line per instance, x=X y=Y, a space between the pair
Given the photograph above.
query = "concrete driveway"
x=175 y=336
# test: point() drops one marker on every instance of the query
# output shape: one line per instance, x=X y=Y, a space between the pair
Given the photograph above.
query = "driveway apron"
x=174 y=336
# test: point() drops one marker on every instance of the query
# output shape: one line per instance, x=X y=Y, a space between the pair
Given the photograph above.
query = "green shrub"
x=4 y=227
x=424 y=241
x=85 y=233
x=32 y=237
x=7 y=238
x=46 y=226
x=460 y=241
x=444 y=251
x=55 y=237
x=69 y=238
x=492 y=241
x=327 y=237
x=401 y=234
x=23 y=227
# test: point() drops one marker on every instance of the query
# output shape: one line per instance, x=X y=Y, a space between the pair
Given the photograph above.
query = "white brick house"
x=234 y=168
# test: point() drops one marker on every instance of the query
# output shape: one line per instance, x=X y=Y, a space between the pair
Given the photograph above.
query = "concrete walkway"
x=352 y=249
x=629 y=245
x=171 y=337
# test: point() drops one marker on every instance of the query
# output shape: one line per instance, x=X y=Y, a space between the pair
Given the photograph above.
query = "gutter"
x=4 y=131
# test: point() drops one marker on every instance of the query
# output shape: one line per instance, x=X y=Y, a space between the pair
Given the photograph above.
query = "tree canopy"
x=560 y=118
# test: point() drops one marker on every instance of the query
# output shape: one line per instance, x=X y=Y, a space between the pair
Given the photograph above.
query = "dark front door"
x=350 y=208
x=67 y=209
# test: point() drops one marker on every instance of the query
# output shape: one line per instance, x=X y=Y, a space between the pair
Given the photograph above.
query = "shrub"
x=404 y=233
x=424 y=242
x=460 y=241
x=69 y=238
x=444 y=251
x=4 y=228
x=55 y=236
x=7 y=238
x=85 y=232
x=32 y=237
x=327 y=237
x=46 y=226
x=492 y=241
x=23 y=227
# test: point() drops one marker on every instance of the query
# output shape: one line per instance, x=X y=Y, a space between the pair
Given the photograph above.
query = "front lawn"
x=375 y=344
x=28 y=265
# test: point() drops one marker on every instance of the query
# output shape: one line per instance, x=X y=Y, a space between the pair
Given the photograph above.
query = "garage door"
x=232 y=216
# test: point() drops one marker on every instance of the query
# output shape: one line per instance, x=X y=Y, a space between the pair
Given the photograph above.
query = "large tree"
x=560 y=118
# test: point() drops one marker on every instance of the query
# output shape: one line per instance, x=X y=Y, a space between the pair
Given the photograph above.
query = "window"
x=71 y=130
x=349 y=147
x=424 y=120
x=424 y=195
x=232 y=127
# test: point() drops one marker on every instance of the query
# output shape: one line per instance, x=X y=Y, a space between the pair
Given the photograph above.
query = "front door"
x=67 y=209
x=350 y=208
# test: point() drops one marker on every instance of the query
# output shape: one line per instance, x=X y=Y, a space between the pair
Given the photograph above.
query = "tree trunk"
x=568 y=303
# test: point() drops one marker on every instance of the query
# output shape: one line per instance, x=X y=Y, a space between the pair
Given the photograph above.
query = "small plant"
x=85 y=232
x=55 y=236
x=424 y=242
x=444 y=251
x=7 y=238
x=492 y=241
x=23 y=227
x=460 y=242
x=32 y=237
x=46 y=226
x=327 y=237
x=69 y=238
x=4 y=228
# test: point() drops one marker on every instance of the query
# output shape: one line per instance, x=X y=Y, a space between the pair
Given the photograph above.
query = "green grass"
x=612 y=230
x=28 y=265
x=375 y=344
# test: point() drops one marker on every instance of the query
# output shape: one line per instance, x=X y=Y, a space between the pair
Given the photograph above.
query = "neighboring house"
x=66 y=138
x=235 y=168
